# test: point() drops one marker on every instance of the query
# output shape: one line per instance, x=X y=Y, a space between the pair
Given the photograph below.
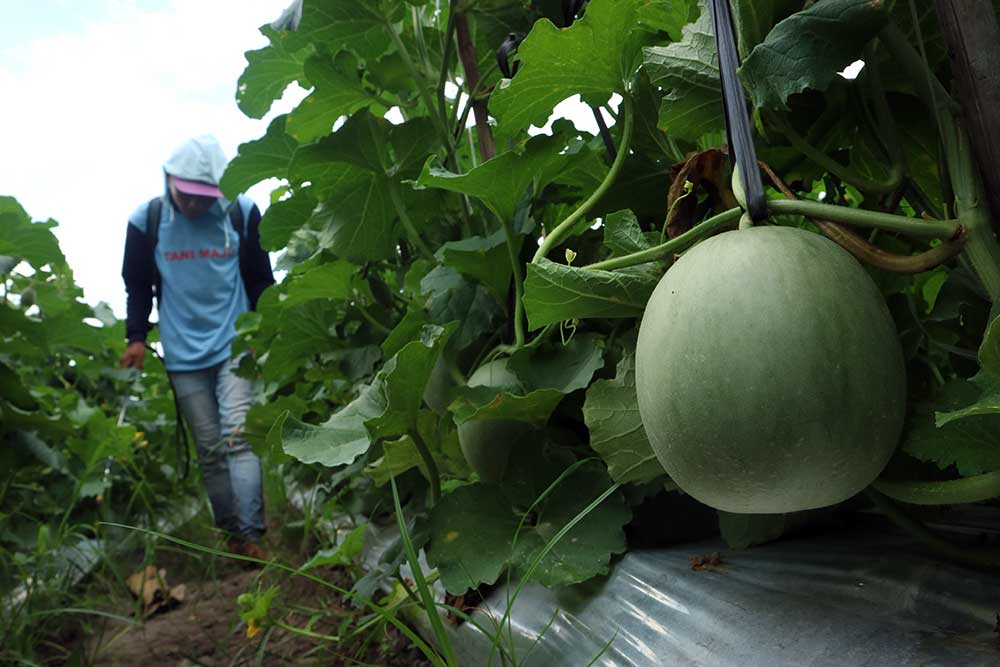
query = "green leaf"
x=335 y=93
x=357 y=220
x=340 y=440
x=405 y=331
x=403 y=379
x=345 y=25
x=806 y=50
x=344 y=554
x=969 y=443
x=476 y=403
x=565 y=368
x=669 y=16
x=501 y=183
x=257 y=160
x=283 y=218
x=741 y=531
x=622 y=234
x=611 y=412
x=989 y=349
x=402 y=455
x=269 y=72
x=988 y=402
x=331 y=280
x=586 y=550
x=20 y=237
x=471 y=536
x=453 y=299
x=485 y=260
x=689 y=71
x=596 y=56
x=755 y=18
x=556 y=292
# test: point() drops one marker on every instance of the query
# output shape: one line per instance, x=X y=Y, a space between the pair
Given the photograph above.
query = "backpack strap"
x=239 y=224
x=154 y=212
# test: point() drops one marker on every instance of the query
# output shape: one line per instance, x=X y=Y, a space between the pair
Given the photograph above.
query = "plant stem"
x=449 y=44
x=370 y=319
x=982 y=249
x=924 y=229
x=422 y=88
x=843 y=172
x=432 y=469
x=966 y=490
x=518 y=275
x=404 y=217
x=963 y=555
x=679 y=243
x=557 y=234
x=470 y=65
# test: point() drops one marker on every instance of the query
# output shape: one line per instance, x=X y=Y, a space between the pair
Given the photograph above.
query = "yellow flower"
x=253 y=629
x=138 y=435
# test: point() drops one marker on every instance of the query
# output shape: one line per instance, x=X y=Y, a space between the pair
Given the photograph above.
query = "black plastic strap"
x=741 y=145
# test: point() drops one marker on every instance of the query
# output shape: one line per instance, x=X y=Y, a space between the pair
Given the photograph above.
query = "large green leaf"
x=478 y=403
x=19 y=237
x=968 y=443
x=688 y=71
x=357 y=220
x=755 y=18
x=670 y=16
x=806 y=50
x=485 y=260
x=388 y=407
x=611 y=412
x=586 y=550
x=472 y=530
x=262 y=158
x=501 y=183
x=556 y=292
x=336 y=92
x=622 y=234
x=269 y=72
x=283 y=218
x=989 y=350
x=339 y=441
x=345 y=25
x=403 y=379
x=451 y=298
x=987 y=403
x=331 y=280
x=594 y=57
x=563 y=367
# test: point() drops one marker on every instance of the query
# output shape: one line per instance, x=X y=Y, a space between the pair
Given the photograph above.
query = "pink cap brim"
x=197 y=188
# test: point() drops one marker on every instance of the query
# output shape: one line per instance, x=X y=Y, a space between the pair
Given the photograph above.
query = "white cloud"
x=90 y=114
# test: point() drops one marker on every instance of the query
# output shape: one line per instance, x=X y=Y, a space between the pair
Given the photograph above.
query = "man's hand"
x=134 y=355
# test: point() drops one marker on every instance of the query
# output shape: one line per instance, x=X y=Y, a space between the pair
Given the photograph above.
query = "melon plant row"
x=68 y=459
x=510 y=322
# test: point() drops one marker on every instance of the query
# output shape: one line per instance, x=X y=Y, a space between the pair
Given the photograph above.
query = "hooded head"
x=193 y=172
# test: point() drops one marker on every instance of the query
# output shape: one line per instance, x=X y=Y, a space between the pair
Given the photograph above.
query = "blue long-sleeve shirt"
x=203 y=286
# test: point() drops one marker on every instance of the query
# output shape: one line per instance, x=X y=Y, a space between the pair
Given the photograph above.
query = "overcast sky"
x=97 y=93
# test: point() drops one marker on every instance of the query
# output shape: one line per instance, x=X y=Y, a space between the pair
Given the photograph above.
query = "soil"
x=205 y=630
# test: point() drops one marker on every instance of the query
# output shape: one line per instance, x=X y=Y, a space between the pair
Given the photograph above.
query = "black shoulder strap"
x=236 y=217
x=153 y=214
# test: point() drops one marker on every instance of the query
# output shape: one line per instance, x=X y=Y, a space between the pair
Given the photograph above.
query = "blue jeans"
x=214 y=402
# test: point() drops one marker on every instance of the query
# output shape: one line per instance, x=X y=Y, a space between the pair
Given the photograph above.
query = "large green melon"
x=768 y=373
x=486 y=443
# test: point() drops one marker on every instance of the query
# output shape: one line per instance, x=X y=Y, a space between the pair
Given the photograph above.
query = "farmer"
x=200 y=255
